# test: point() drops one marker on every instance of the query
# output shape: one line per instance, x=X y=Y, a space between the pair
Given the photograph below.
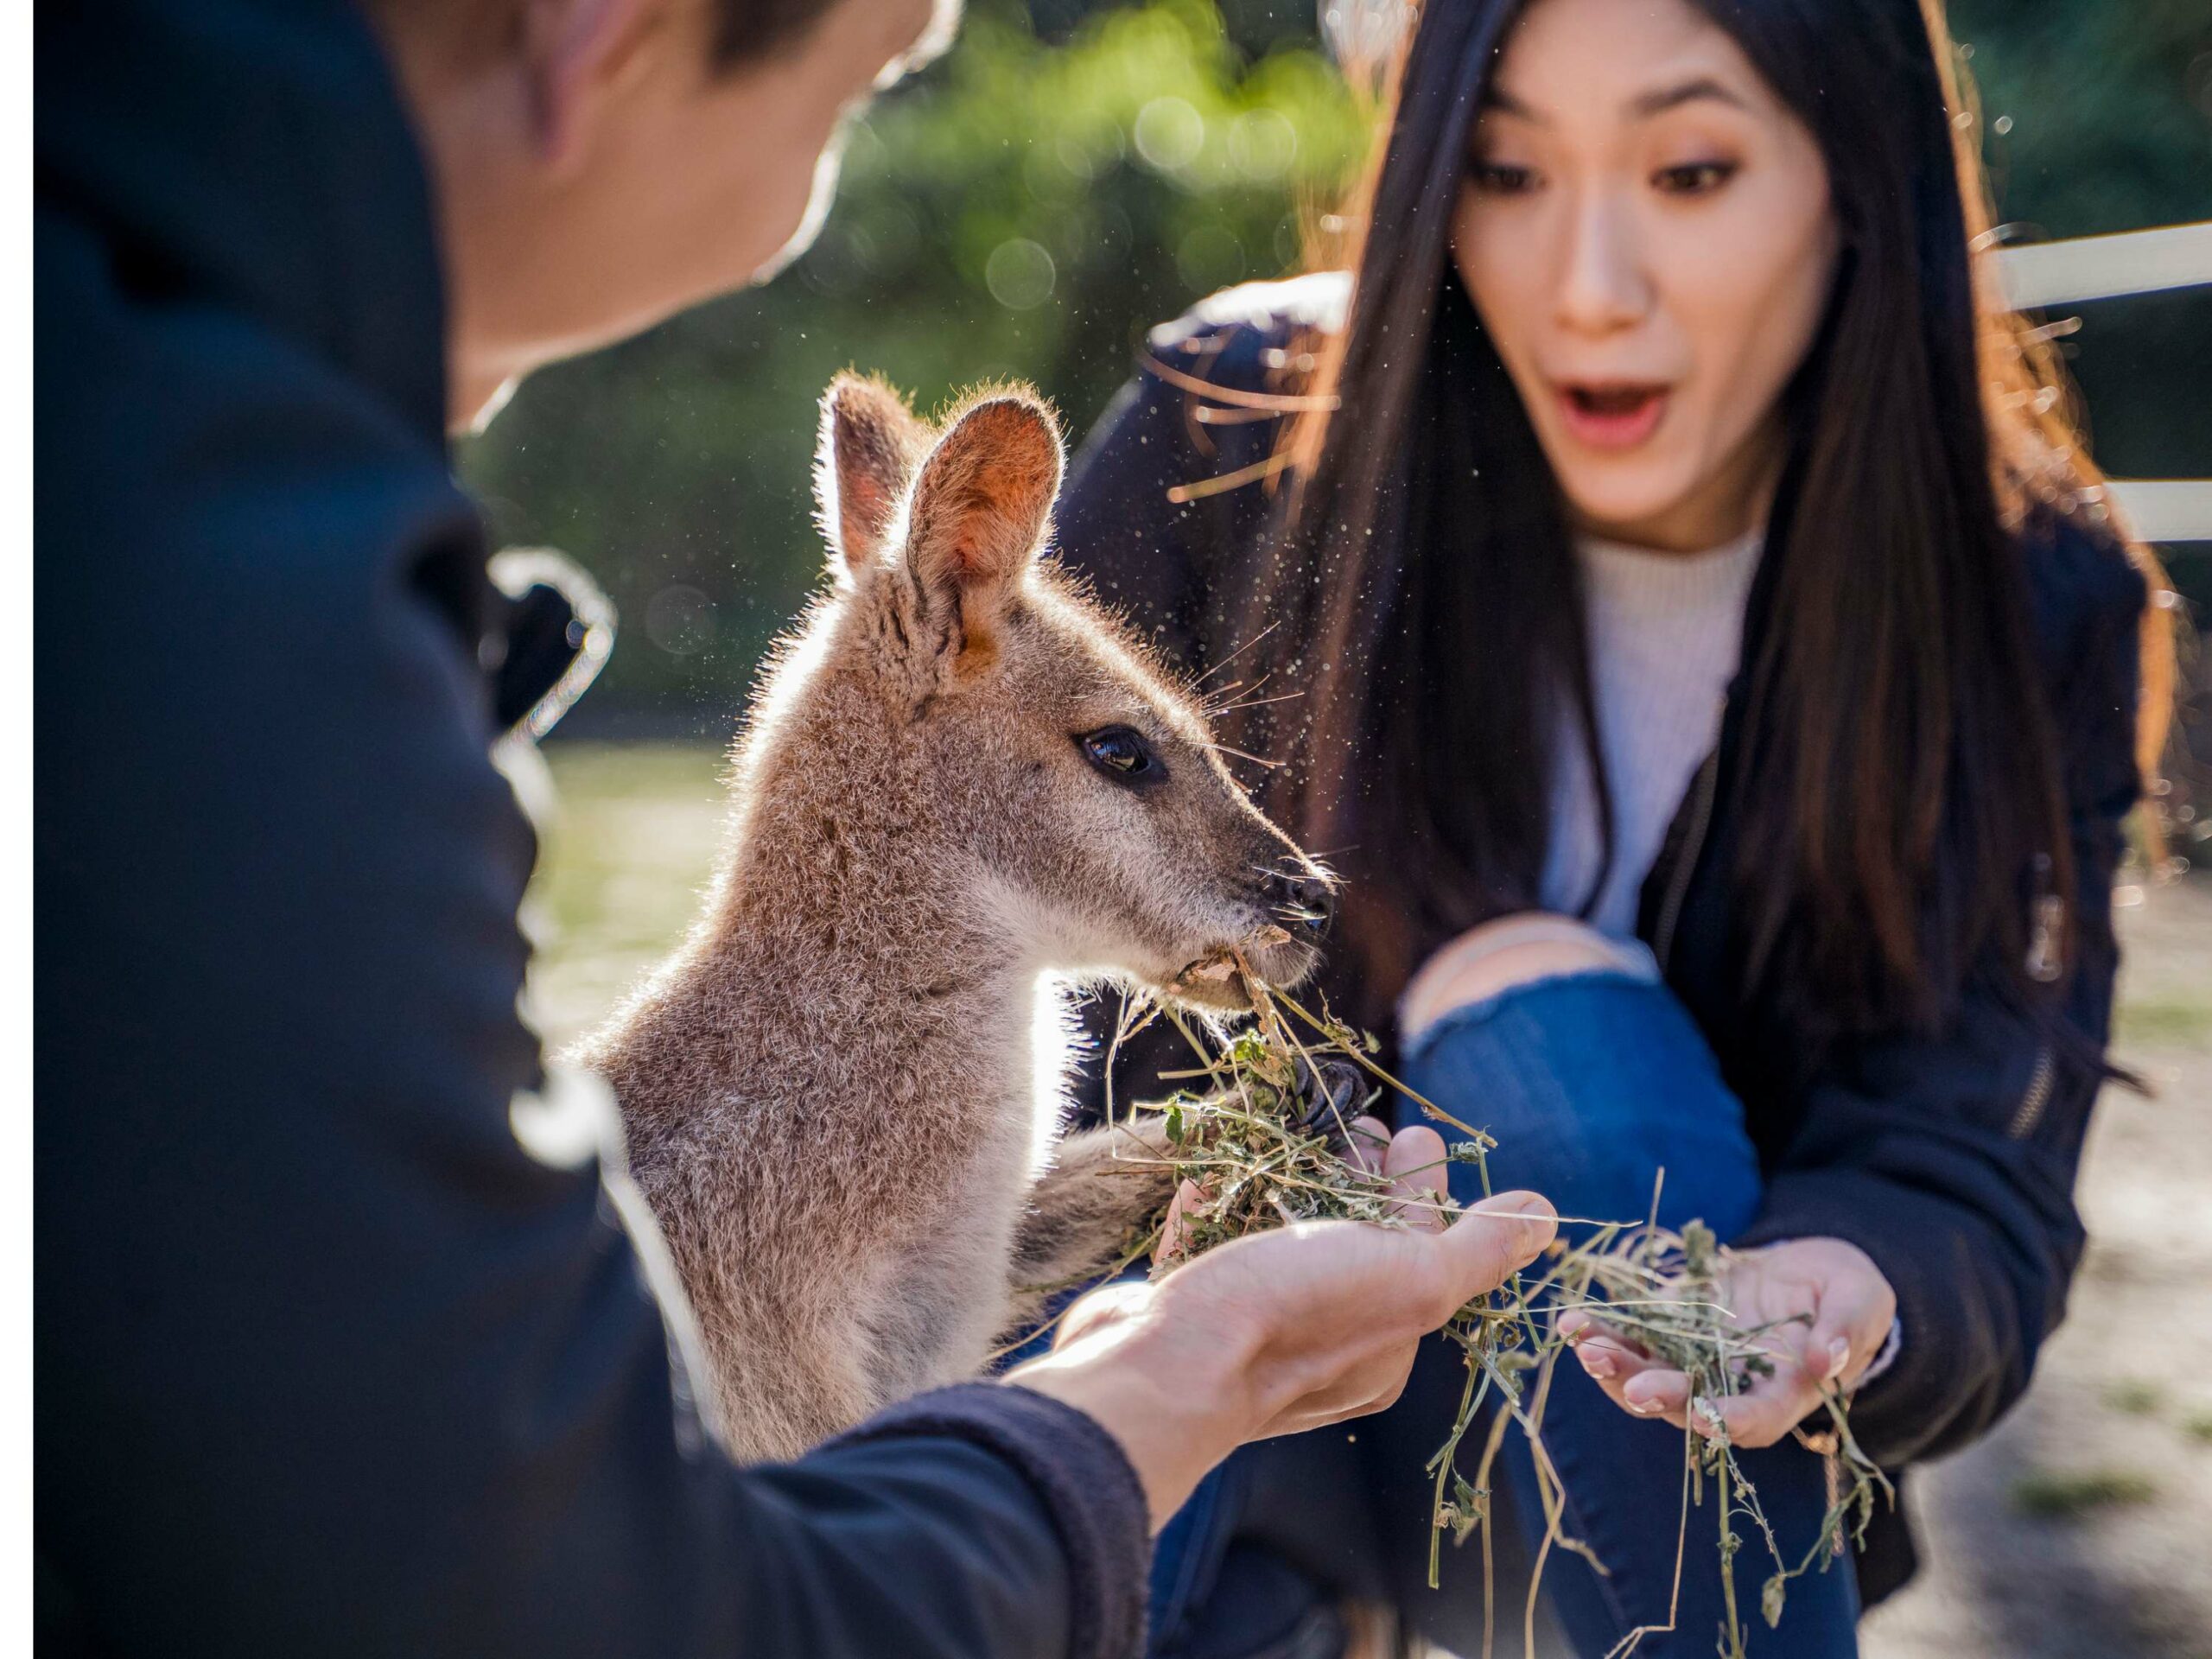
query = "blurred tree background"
x=1072 y=172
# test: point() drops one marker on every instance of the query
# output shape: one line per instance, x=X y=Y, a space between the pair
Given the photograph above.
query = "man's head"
x=601 y=164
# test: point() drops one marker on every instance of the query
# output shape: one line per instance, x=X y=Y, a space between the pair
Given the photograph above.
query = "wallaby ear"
x=980 y=507
x=869 y=447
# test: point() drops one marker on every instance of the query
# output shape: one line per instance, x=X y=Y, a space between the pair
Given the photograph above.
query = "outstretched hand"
x=1830 y=1311
x=1283 y=1331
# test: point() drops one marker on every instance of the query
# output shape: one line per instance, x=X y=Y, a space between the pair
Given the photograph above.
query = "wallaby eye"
x=1120 y=753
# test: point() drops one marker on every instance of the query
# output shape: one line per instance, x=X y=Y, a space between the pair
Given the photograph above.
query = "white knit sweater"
x=1665 y=631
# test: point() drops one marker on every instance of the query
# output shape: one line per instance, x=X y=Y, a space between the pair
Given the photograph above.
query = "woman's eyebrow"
x=1646 y=104
x=1643 y=106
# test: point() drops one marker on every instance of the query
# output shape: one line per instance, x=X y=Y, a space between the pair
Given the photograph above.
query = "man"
x=327 y=1364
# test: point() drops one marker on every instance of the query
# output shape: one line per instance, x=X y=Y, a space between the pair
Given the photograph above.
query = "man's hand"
x=1281 y=1332
x=1850 y=1309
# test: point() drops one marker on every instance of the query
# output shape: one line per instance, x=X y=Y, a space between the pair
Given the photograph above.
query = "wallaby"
x=960 y=781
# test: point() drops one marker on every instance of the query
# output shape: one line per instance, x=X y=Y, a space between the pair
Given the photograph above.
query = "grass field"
x=2080 y=1529
x=620 y=871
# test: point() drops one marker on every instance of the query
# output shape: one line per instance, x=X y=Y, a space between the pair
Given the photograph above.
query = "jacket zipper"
x=2037 y=1095
x=1678 y=884
x=2047 y=923
x=2044 y=964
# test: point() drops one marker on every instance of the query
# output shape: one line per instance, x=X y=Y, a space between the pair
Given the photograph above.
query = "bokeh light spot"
x=1019 y=273
x=680 y=620
x=1169 y=134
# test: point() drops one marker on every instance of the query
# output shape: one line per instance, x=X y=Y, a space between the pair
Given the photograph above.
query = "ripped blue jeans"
x=1591 y=1082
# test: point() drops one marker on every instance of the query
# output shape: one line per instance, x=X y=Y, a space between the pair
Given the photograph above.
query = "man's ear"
x=980 y=508
x=576 y=54
x=865 y=458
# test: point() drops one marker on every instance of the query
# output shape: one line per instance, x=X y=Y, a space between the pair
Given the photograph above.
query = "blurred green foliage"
x=1025 y=209
x=2098 y=117
x=1070 y=174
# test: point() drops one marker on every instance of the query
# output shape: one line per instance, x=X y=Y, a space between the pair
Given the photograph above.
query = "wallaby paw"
x=1089 y=1210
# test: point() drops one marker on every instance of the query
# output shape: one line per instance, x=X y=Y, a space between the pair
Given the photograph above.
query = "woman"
x=1710 y=661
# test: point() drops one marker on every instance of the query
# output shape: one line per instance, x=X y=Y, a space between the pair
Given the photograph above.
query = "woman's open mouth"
x=1612 y=414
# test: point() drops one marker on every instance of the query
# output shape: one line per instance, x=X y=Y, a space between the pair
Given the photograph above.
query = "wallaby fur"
x=842 y=1096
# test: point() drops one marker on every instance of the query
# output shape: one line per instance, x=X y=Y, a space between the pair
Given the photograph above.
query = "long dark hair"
x=1908 y=803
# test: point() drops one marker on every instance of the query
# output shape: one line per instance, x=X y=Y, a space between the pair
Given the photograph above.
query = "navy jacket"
x=1948 y=1158
x=326 y=1364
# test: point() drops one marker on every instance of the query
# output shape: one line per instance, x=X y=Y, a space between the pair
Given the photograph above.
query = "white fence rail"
x=2167 y=509
x=2044 y=274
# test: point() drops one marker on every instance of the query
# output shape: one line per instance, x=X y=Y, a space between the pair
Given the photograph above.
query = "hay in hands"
x=1259 y=1130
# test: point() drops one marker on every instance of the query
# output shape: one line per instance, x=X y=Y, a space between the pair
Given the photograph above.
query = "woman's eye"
x=1118 y=751
x=1502 y=178
x=1693 y=178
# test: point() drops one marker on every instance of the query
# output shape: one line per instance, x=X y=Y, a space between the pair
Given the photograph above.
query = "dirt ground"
x=2080 y=1529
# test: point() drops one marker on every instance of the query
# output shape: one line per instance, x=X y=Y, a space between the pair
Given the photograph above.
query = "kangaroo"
x=960 y=781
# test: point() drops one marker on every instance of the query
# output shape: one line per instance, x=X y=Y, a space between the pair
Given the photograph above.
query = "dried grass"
x=1258 y=1137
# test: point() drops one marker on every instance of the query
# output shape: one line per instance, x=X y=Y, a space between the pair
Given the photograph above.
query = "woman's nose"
x=1602 y=286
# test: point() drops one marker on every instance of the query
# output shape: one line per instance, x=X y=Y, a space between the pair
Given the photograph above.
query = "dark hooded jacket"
x=1949 y=1157
x=326 y=1364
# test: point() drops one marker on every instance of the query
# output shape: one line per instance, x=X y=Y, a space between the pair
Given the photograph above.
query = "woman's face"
x=1647 y=233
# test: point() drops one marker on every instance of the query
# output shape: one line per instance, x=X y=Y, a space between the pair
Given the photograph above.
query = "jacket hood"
x=252 y=154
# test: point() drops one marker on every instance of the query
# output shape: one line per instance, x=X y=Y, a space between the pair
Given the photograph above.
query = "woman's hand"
x=1281 y=1332
x=1850 y=1309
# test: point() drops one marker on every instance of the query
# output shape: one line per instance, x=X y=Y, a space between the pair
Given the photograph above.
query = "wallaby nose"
x=1304 y=900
